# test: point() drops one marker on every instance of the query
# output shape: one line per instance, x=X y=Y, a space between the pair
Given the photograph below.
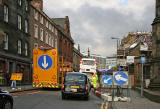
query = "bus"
x=88 y=66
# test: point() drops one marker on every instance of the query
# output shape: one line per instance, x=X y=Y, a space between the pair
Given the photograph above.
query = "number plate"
x=74 y=90
x=75 y=87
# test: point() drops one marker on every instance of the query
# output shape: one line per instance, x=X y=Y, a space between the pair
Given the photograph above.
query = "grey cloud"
x=108 y=23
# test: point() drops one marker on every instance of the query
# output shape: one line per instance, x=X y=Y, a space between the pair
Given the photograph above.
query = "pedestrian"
x=94 y=81
x=13 y=85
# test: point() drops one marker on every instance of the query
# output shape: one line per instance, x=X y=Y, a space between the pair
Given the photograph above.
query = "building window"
x=53 y=29
x=26 y=26
x=41 y=34
x=35 y=31
x=46 y=37
x=19 y=22
x=52 y=42
x=50 y=27
x=26 y=49
x=50 y=39
x=19 y=47
x=55 y=43
x=36 y=14
x=41 y=19
x=5 y=13
x=5 y=41
x=46 y=23
x=19 y=2
x=56 y=32
x=36 y=45
x=26 y=5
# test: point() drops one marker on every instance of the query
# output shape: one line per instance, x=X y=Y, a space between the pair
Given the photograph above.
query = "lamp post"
x=142 y=62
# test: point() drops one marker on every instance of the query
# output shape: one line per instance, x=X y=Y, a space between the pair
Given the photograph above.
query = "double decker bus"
x=88 y=66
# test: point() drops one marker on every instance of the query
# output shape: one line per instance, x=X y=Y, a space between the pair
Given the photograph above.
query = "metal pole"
x=128 y=82
x=142 y=82
x=112 y=91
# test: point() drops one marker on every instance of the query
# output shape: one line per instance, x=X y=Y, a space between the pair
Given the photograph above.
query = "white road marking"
x=32 y=93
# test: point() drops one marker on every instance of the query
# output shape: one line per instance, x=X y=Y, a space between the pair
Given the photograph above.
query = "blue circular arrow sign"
x=120 y=78
x=45 y=62
x=107 y=80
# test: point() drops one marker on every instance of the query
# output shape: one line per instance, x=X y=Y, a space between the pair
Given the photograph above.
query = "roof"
x=60 y=21
x=133 y=39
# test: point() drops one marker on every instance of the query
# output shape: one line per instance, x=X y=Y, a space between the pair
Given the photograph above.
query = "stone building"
x=101 y=61
x=65 y=41
x=15 y=48
x=156 y=44
x=76 y=58
x=43 y=30
x=138 y=44
x=111 y=62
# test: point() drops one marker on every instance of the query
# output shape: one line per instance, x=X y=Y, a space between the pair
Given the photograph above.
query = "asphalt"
x=51 y=99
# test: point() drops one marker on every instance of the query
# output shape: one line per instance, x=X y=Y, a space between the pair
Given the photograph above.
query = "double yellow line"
x=104 y=105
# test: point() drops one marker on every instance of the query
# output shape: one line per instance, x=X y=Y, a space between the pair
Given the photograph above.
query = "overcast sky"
x=94 y=22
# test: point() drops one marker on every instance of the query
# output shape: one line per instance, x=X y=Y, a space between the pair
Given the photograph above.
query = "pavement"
x=17 y=89
x=135 y=101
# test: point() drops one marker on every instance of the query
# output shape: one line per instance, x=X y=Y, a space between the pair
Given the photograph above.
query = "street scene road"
x=50 y=99
x=79 y=54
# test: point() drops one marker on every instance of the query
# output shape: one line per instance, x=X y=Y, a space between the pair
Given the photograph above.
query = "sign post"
x=142 y=62
x=120 y=78
x=107 y=80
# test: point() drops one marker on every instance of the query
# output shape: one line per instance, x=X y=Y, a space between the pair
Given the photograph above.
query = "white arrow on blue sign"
x=107 y=80
x=45 y=62
x=120 y=78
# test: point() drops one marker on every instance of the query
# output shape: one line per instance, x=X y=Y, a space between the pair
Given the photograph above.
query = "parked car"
x=76 y=84
x=6 y=100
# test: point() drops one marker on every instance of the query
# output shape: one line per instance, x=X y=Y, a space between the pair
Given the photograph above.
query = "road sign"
x=45 y=62
x=121 y=62
x=120 y=78
x=16 y=76
x=107 y=80
x=130 y=59
x=143 y=60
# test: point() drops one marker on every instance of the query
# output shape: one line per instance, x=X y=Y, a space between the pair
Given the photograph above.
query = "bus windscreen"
x=88 y=62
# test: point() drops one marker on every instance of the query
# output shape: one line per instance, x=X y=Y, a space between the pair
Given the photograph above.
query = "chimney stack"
x=38 y=4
